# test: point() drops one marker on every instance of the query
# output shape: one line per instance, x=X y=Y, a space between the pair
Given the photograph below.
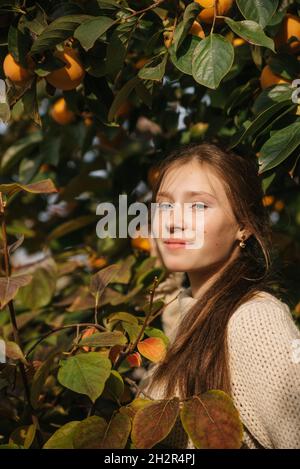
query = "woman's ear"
x=243 y=232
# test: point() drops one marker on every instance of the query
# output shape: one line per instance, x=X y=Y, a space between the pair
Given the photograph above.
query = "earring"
x=242 y=244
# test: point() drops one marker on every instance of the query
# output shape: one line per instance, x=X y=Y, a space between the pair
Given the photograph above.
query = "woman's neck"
x=199 y=283
x=201 y=280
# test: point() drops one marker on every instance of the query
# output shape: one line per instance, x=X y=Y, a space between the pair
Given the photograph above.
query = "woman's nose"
x=176 y=222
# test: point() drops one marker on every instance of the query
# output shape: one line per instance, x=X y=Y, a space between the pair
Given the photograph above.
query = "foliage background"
x=128 y=116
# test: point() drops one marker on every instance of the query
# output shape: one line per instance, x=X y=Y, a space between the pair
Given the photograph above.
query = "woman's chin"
x=176 y=266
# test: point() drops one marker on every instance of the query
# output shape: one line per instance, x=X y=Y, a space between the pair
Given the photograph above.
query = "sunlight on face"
x=195 y=188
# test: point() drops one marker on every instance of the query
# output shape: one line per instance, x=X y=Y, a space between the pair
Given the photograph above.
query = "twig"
x=57 y=329
x=160 y=311
x=132 y=347
x=13 y=320
x=96 y=309
x=215 y=15
x=151 y=7
x=146 y=321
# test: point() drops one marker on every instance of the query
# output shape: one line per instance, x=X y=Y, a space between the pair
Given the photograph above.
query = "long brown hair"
x=197 y=358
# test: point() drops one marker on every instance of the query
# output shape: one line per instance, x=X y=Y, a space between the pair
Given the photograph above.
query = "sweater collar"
x=185 y=299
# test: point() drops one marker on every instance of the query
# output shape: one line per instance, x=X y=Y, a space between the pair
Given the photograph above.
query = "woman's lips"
x=175 y=243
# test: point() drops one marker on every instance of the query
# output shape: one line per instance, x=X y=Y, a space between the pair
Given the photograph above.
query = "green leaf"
x=95 y=433
x=29 y=167
x=124 y=274
x=9 y=287
x=268 y=129
x=153 y=423
x=240 y=95
x=104 y=339
x=108 y=4
x=137 y=403
x=30 y=104
x=41 y=289
x=13 y=351
x=114 y=386
x=258 y=10
x=183 y=58
x=143 y=92
x=259 y=122
x=58 y=31
x=41 y=187
x=269 y=96
x=146 y=265
x=132 y=330
x=115 y=298
x=121 y=96
x=37 y=24
x=156 y=72
x=19 y=150
x=267 y=181
x=63 y=437
x=115 y=55
x=101 y=279
x=162 y=13
x=212 y=60
x=155 y=307
x=4 y=112
x=285 y=66
x=18 y=44
x=23 y=436
x=39 y=378
x=266 y=115
x=50 y=149
x=88 y=32
x=251 y=32
x=70 y=226
x=121 y=316
x=190 y=13
x=212 y=421
x=85 y=373
x=279 y=147
x=147 y=278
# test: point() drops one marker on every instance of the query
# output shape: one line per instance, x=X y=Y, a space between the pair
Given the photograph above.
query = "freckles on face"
x=218 y=222
x=219 y=234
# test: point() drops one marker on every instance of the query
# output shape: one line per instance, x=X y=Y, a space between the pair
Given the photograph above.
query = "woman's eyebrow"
x=187 y=193
x=192 y=193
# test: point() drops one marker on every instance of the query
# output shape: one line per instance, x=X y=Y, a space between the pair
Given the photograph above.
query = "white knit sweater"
x=264 y=368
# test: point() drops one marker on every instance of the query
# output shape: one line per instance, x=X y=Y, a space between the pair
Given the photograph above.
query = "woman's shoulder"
x=265 y=373
x=262 y=303
x=265 y=297
x=264 y=316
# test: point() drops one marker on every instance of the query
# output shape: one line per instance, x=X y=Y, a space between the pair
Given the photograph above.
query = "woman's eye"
x=168 y=205
x=199 y=205
x=164 y=205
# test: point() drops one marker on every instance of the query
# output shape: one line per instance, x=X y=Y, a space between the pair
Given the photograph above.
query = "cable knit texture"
x=264 y=369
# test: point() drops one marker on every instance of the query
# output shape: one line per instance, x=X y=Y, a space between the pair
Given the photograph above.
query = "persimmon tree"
x=93 y=95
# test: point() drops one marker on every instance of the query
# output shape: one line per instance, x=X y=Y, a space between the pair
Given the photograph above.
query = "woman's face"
x=203 y=214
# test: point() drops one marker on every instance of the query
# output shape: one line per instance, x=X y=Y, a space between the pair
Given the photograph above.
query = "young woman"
x=228 y=330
